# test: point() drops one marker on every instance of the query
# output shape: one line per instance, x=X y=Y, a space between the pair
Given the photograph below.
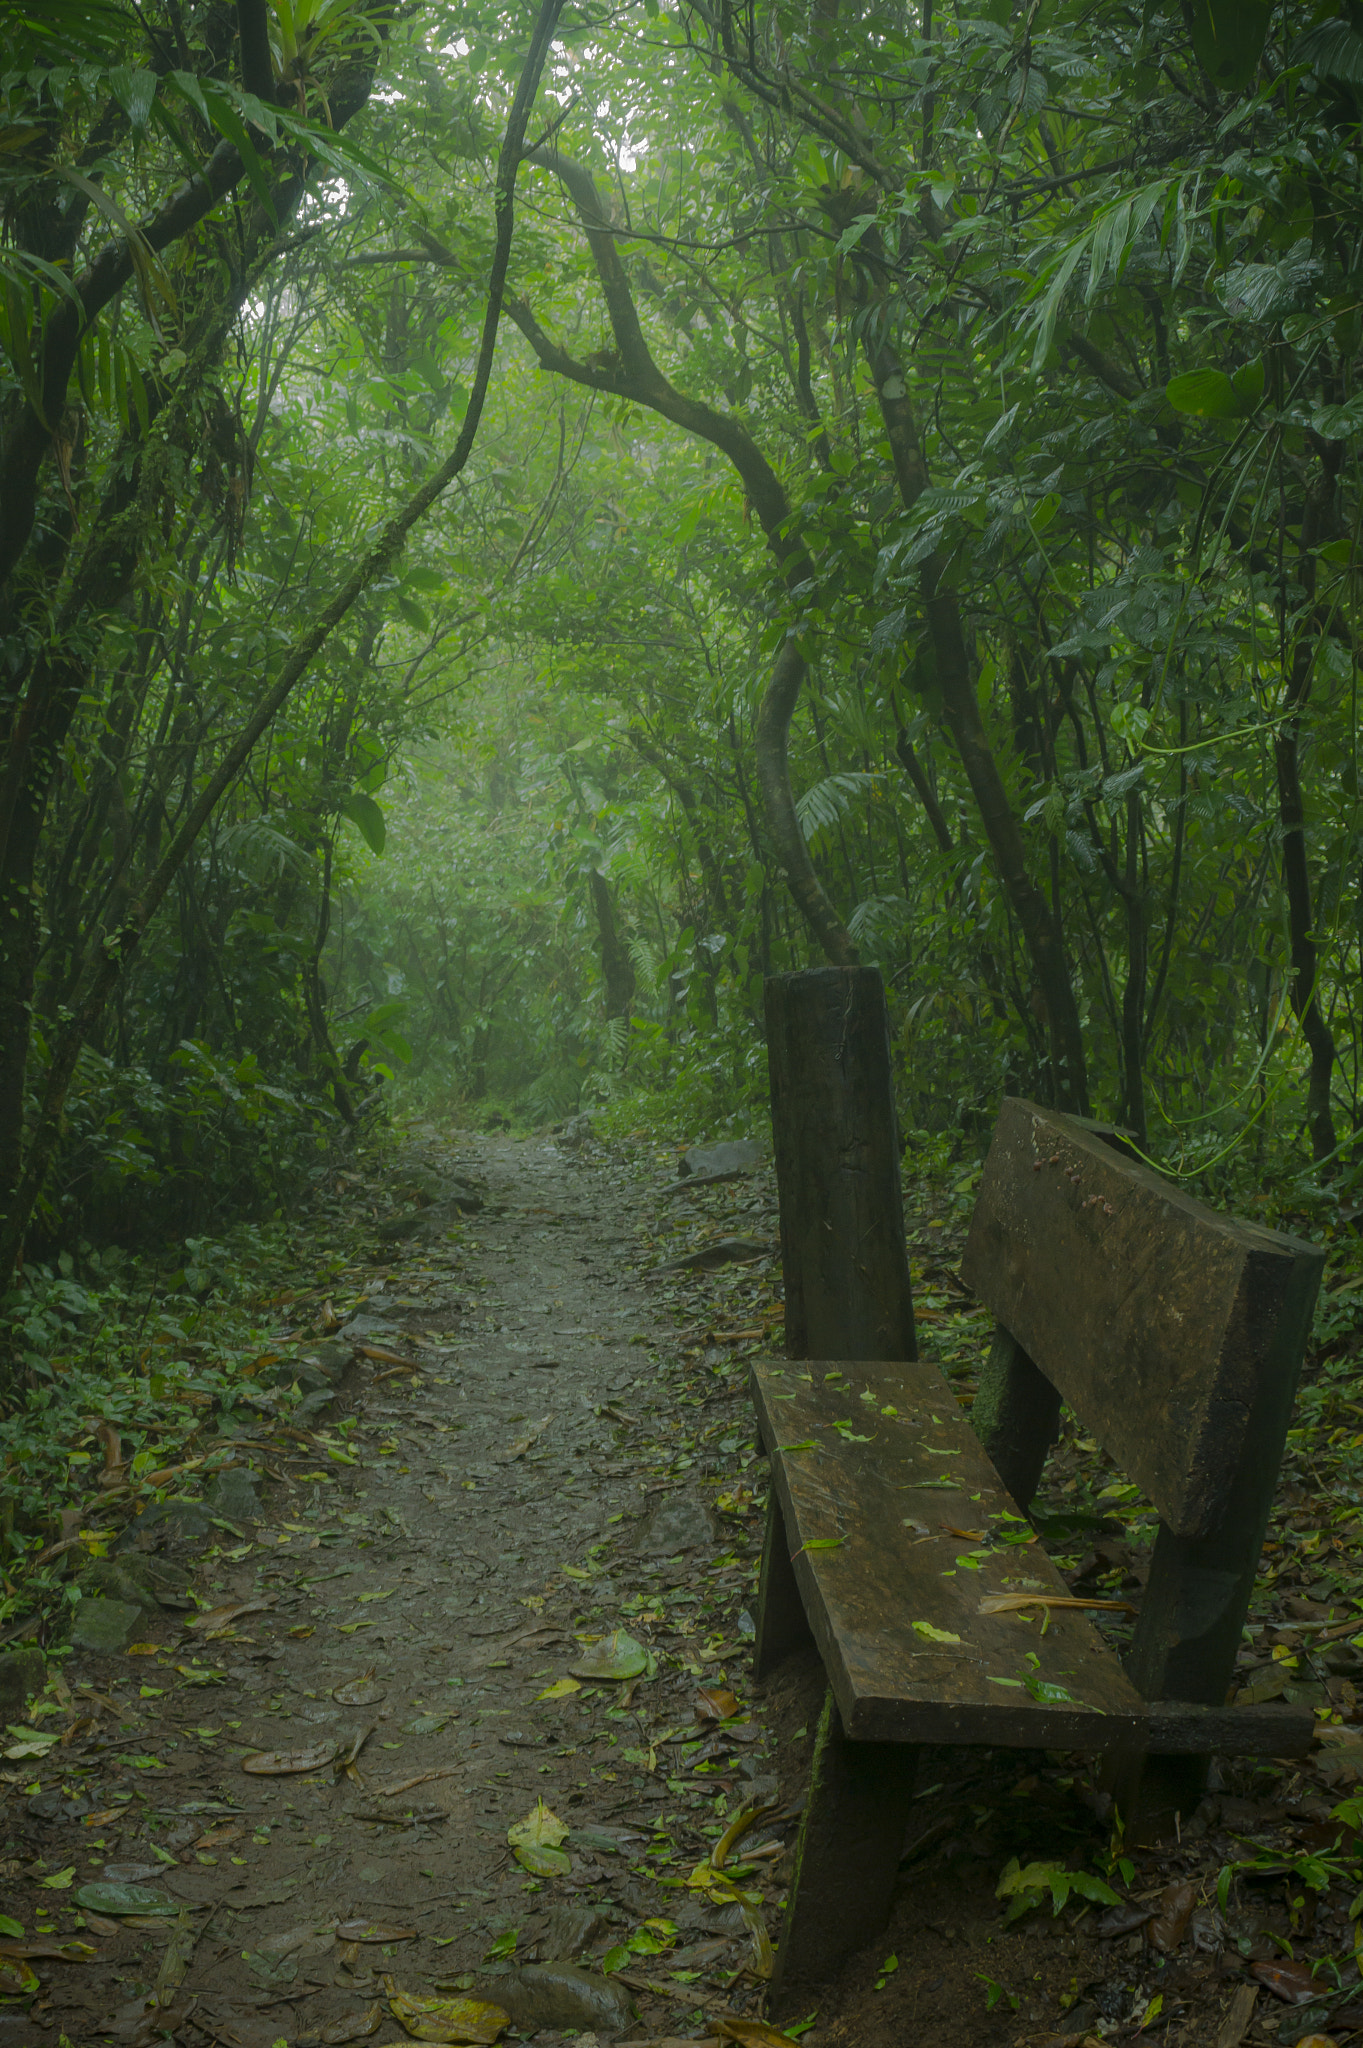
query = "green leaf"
x=1229 y=38
x=616 y=1656
x=365 y=815
x=1212 y=395
x=125 y=1898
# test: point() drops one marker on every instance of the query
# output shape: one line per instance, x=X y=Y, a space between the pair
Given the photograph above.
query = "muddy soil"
x=422 y=1563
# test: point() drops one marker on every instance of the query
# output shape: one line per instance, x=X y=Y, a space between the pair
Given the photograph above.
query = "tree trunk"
x=617 y=969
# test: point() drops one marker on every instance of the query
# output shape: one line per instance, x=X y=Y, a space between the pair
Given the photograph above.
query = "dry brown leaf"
x=1013 y=1603
x=214 y=1618
x=286 y=1763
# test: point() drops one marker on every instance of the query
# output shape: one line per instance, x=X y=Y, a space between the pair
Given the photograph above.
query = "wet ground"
x=508 y=1594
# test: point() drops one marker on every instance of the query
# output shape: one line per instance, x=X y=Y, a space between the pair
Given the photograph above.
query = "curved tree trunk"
x=632 y=373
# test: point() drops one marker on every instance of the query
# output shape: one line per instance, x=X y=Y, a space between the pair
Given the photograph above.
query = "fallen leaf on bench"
x=1013 y=1603
x=819 y=1543
x=808 y=1445
x=968 y=1535
x=934 y=1635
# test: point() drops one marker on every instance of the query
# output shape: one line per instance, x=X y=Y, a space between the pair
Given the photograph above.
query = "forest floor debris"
x=436 y=1712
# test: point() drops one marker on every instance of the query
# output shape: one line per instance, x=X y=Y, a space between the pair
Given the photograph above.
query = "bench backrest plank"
x=1162 y=1323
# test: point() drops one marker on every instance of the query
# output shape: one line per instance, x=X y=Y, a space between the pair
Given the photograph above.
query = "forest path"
x=549 y=1476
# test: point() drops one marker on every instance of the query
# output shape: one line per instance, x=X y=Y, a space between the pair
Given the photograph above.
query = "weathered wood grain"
x=899 y=1529
x=1164 y=1325
x=835 y=1144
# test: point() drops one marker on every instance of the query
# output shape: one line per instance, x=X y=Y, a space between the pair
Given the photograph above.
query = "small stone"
x=364 y=1329
x=681 y=1524
x=315 y=1407
x=234 y=1497
x=557 y=1995
x=125 y=1581
x=167 y=1521
x=331 y=1358
x=105 y=1625
x=571 y=1929
x=21 y=1675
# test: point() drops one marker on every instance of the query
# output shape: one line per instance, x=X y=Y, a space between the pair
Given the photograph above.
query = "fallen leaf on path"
x=446 y=2019
x=214 y=1618
x=372 y=1930
x=284 y=1763
x=17 y=1980
x=1236 y=2022
x=125 y=1898
x=523 y=1444
x=213 y=1838
x=384 y=1356
x=356 y=1743
x=201 y=1674
x=1124 y=1919
x=1174 y=1911
x=535 y=1841
x=364 y=1691
x=616 y=1656
x=358 y=2027
x=45 y=1949
x=1292 y=1982
x=176 y=1961
x=409 y=1784
x=752 y=2033
x=740 y=1825
x=559 y=1690
x=1013 y=1603
x=716 y=1703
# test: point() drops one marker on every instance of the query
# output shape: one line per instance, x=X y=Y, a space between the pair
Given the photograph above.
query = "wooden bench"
x=897 y=1534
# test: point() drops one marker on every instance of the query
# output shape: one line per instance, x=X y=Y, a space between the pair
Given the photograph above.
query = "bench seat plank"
x=880 y=1498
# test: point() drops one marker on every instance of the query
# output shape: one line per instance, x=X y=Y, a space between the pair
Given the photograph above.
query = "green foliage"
x=1026 y=1888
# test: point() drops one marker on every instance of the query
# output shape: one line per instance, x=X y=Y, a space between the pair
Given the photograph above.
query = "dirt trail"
x=521 y=1493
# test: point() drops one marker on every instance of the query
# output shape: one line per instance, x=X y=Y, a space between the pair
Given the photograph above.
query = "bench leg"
x=1016 y=1416
x=1192 y=1612
x=846 y=1858
x=781 y=1624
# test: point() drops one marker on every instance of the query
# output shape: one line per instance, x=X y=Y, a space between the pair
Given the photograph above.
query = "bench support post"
x=1016 y=1416
x=835 y=1144
x=847 y=1855
x=1199 y=1589
x=781 y=1624
x=843 y=1257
